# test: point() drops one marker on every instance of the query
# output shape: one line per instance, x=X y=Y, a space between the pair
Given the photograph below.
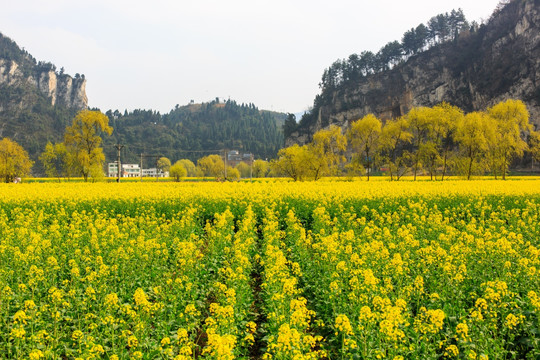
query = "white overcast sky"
x=156 y=54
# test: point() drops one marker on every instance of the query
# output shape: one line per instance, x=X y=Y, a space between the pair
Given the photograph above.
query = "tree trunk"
x=470 y=164
x=391 y=162
x=415 y=166
x=444 y=162
x=443 y=168
x=504 y=167
x=417 y=155
x=368 y=163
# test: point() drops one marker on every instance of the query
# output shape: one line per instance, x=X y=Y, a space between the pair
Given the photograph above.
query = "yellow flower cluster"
x=429 y=321
x=390 y=273
x=289 y=320
x=230 y=331
x=343 y=325
x=512 y=321
x=328 y=191
x=383 y=269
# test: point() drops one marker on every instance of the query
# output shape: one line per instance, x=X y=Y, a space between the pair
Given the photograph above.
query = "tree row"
x=438 y=141
x=439 y=29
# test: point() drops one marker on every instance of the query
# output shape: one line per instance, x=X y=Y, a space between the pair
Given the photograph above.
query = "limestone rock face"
x=60 y=89
x=499 y=61
x=9 y=72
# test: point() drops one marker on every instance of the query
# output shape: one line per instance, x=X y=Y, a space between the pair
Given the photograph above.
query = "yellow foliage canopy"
x=14 y=160
x=84 y=140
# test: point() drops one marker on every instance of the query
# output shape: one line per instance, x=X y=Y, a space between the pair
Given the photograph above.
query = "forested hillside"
x=195 y=130
x=447 y=59
x=38 y=101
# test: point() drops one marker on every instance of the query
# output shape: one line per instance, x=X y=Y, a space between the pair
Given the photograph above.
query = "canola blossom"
x=270 y=270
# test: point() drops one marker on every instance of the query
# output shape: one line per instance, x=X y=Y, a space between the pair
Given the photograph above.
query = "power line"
x=156 y=149
x=148 y=147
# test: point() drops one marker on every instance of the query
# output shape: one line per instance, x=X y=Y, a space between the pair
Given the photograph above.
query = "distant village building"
x=153 y=172
x=234 y=157
x=134 y=170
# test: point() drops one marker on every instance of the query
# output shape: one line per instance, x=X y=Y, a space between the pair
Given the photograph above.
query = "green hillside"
x=195 y=130
x=34 y=112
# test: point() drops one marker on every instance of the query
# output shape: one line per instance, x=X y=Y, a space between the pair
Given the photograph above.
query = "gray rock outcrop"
x=499 y=61
x=60 y=89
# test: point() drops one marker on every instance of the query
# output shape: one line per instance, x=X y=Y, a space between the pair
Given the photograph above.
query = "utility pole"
x=151 y=156
x=140 y=170
x=157 y=170
x=225 y=162
x=119 y=147
x=251 y=168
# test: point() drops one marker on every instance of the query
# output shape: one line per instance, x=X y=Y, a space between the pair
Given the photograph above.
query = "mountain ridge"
x=196 y=130
x=37 y=102
x=500 y=60
x=19 y=69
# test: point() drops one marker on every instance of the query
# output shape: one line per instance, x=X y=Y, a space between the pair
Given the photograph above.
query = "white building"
x=112 y=170
x=153 y=172
x=131 y=170
x=234 y=157
x=134 y=170
x=128 y=170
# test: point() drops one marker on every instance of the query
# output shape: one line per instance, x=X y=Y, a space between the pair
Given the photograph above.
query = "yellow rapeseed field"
x=263 y=190
x=271 y=270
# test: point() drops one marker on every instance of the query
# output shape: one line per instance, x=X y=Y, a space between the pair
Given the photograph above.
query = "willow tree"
x=14 y=160
x=189 y=166
x=473 y=134
x=260 y=168
x=57 y=161
x=512 y=122
x=292 y=162
x=433 y=129
x=363 y=137
x=83 y=139
x=177 y=171
x=394 y=135
x=325 y=152
x=244 y=169
x=164 y=164
x=444 y=123
x=419 y=120
x=534 y=145
x=212 y=165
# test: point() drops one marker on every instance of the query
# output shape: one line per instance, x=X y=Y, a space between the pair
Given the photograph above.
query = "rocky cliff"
x=62 y=90
x=36 y=100
x=498 y=61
